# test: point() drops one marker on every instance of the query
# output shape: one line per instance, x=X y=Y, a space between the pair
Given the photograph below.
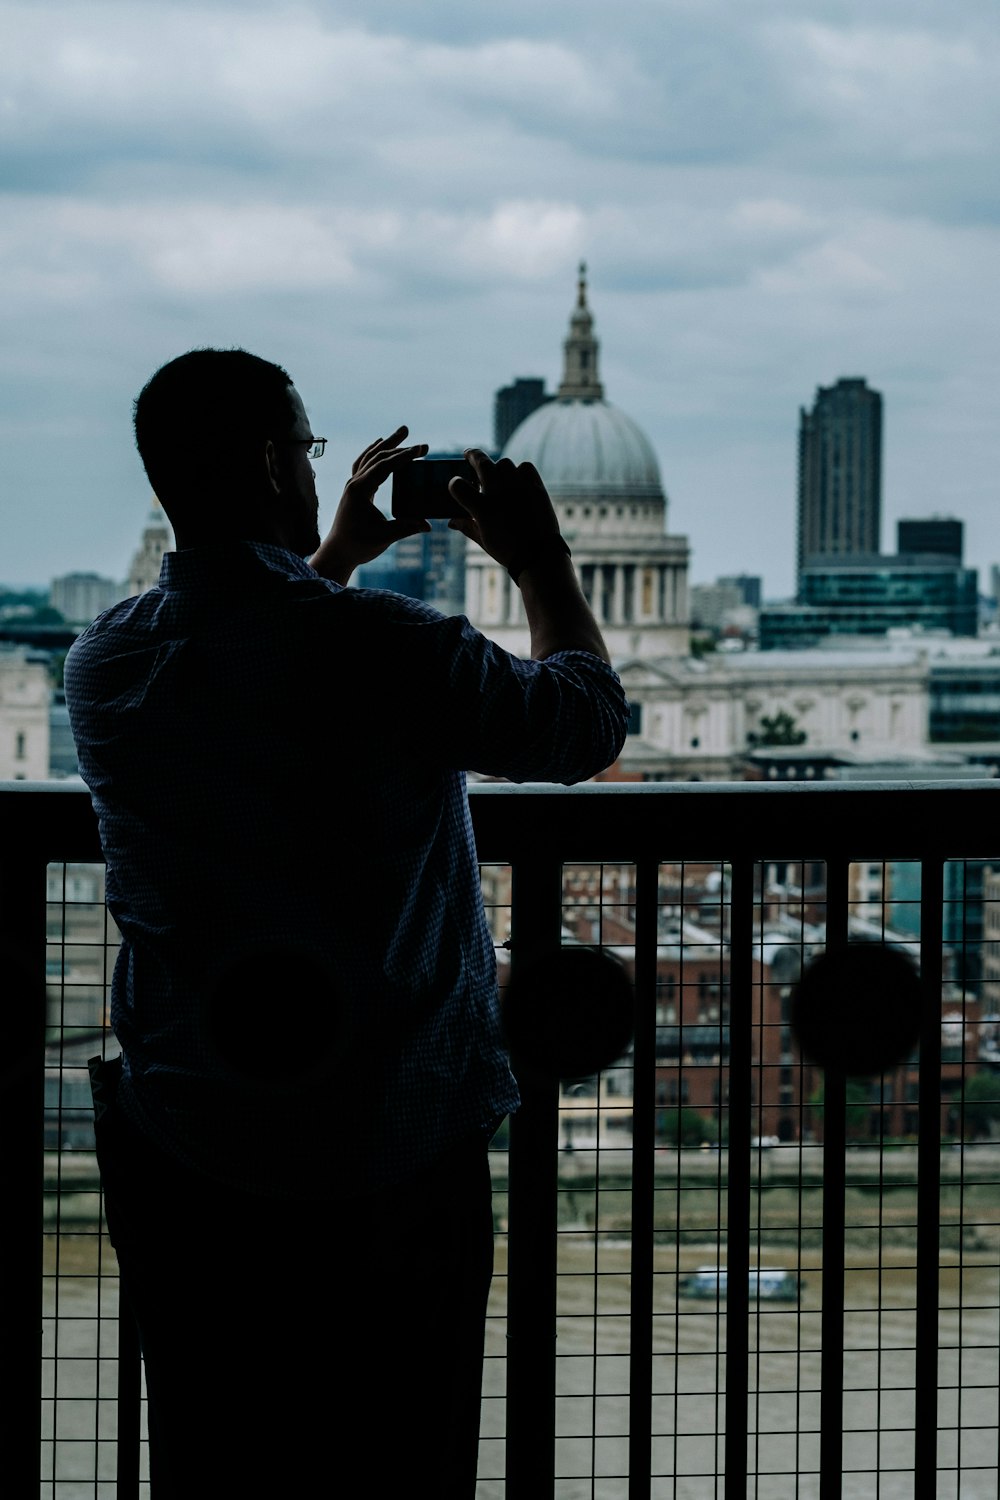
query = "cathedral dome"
x=581 y=445
x=601 y=471
x=587 y=448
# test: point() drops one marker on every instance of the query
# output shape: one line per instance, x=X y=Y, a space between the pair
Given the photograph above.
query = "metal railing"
x=604 y=1376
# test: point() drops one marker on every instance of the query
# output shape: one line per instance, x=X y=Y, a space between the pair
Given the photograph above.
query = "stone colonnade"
x=620 y=592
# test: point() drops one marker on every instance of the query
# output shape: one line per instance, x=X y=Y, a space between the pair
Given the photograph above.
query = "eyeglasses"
x=315 y=447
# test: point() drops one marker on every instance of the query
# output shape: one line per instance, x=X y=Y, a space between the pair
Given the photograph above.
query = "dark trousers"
x=304 y=1349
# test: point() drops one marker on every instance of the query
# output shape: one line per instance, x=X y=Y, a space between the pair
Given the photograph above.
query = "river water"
x=783 y=1442
x=689 y=1370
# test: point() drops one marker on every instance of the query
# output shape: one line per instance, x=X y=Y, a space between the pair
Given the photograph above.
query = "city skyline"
x=392 y=202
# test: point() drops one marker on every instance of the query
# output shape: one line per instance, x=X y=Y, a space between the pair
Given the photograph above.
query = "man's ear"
x=272 y=465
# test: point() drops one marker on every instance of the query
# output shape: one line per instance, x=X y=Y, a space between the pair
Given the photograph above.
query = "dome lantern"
x=580 y=380
x=581 y=444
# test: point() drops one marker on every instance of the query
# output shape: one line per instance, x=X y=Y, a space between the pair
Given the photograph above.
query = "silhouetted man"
x=295 y=1162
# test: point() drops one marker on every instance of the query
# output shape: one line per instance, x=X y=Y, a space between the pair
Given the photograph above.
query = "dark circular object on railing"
x=568 y=1012
x=858 y=1009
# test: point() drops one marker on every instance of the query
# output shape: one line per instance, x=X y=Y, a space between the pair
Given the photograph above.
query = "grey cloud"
x=321 y=94
x=391 y=200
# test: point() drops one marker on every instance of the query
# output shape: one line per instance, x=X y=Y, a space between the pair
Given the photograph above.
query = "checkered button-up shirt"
x=306 y=989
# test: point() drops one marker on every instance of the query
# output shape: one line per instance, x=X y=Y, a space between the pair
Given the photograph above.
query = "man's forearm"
x=511 y=516
x=330 y=561
x=559 y=617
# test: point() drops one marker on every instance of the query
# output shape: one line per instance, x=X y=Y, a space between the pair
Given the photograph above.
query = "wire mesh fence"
x=80 y=1306
x=753 y=1288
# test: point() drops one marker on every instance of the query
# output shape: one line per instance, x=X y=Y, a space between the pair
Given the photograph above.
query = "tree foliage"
x=858 y=1105
x=681 y=1127
x=780 y=730
x=981 y=1102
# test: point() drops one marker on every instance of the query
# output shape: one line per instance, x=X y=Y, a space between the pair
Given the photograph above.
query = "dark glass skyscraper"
x=840 y=473
x=940 y=536
x=513 y=404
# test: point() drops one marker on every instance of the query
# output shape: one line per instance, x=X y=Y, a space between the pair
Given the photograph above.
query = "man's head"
x=224 y=438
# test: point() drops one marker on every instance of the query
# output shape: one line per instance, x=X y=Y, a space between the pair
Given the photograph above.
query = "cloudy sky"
x=391 y=199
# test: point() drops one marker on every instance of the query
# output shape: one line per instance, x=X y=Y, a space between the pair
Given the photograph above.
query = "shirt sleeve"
x=481 y=709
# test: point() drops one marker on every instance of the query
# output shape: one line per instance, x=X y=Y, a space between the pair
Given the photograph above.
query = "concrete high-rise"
x=81 y=597
x=840 y=473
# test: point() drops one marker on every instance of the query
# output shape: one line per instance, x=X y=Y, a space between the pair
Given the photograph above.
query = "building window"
x=635 y=718
x=19 y=743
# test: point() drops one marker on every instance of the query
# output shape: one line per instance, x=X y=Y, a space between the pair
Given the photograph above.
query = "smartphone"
x=420 y=488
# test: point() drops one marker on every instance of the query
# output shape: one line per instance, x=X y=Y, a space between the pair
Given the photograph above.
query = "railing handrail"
x=797 y=819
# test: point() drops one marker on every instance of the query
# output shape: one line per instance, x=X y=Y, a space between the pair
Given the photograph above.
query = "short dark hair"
x=209 y=413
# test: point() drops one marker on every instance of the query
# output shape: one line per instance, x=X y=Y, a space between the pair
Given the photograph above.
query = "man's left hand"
x=360 y=532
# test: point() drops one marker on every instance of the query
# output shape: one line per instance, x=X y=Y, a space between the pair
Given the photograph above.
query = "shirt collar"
x=201 y=567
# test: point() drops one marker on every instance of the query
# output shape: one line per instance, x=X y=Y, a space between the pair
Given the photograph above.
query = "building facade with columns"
x=604 y=479
x=705 y=719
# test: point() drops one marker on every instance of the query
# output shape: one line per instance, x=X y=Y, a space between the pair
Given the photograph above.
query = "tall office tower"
x=940 y=536
x=513 y=404
x=840 y=473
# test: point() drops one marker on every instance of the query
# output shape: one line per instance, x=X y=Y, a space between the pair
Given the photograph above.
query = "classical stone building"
x=24 y=716
x=728 y=715
x=601 y=471
x=156 y=539
x=702 y=718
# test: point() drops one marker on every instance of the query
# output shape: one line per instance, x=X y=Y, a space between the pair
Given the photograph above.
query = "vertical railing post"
x=22 y=1069
x=738 y=1191
x=640 y=1441
x=532 y=1210
x=831 y=1400
x=929 y=1183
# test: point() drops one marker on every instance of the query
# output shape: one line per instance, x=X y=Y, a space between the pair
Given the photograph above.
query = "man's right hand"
x=510 y=514
x=360 y=532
